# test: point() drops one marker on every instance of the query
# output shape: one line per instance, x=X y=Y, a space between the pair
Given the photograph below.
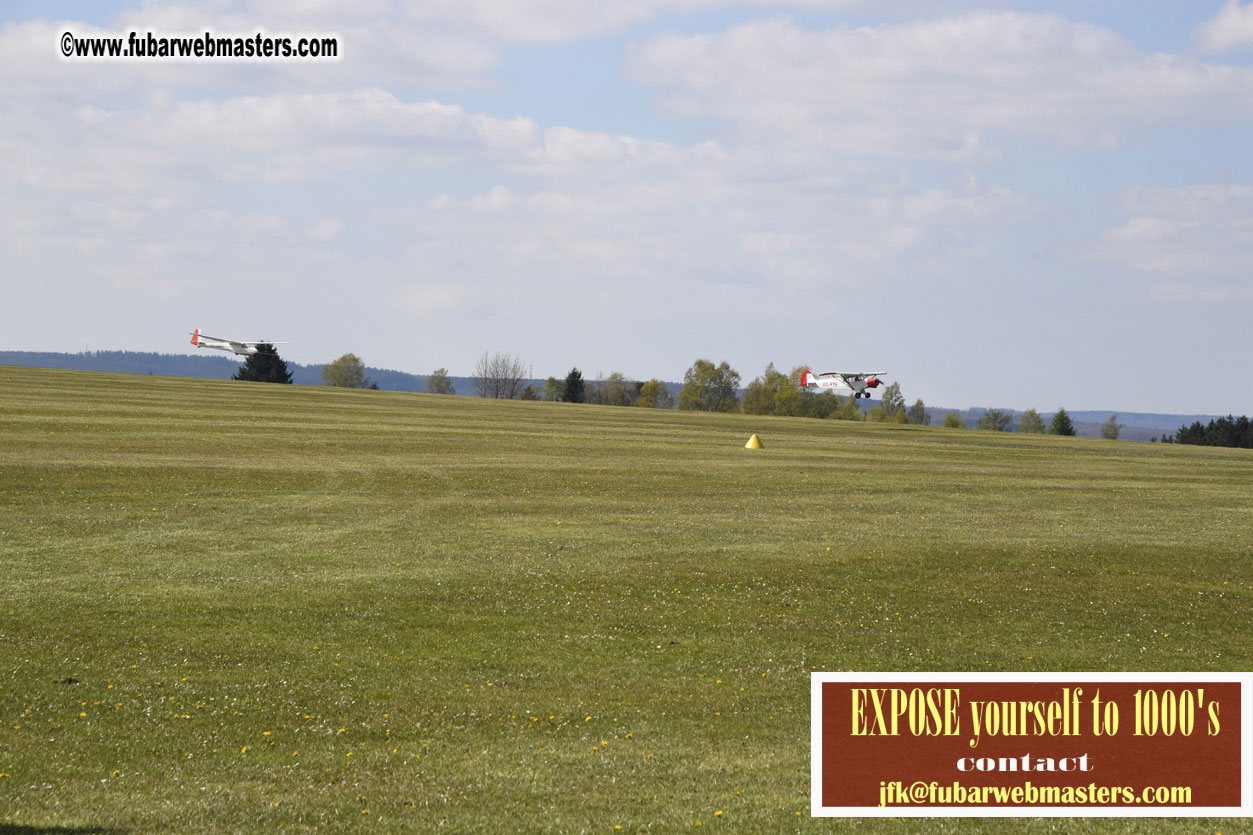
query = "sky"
x=1004 y=204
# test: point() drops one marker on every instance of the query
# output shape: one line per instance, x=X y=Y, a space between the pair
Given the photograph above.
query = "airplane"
x=854 y=382
x=200 y=340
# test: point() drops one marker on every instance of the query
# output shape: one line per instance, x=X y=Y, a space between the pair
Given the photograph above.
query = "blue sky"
x=1003 y=204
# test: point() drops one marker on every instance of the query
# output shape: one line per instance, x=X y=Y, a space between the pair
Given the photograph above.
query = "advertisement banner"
x=1031 y=744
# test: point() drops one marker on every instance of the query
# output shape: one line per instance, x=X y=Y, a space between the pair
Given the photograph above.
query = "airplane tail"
x=805 y=381
x=195 y=338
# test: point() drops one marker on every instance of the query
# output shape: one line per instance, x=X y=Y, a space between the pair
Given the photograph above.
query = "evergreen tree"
x=573 y=390
x=1227 y=431
x=265 y=366
x=1061 y=424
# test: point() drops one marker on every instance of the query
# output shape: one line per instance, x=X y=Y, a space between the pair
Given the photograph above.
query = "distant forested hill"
x=1138 y=426
x=212 y=367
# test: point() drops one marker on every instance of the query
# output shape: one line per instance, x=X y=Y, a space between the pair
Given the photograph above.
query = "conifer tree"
x=265 y=366
x=573 y=392
x=1061 y=424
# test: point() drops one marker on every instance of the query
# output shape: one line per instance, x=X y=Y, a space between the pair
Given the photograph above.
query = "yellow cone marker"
x=753 y=443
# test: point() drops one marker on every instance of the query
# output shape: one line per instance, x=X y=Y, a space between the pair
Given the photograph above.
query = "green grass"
x=484 y=615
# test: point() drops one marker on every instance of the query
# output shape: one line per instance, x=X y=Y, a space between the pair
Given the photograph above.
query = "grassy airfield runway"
x=236 y=606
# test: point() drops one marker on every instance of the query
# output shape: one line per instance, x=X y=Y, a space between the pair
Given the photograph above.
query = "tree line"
x=1228 y=431
x=710 y=388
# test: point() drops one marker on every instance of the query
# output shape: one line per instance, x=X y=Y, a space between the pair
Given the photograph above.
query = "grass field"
x=238 y=607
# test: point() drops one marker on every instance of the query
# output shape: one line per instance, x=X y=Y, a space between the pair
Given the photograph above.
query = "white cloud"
x=1192 y=294
x=156 y=190
x=1231 y=29
x=433 y=298
x=935 y=88
x=1201 y=234
x=1145 y=229
x=497 y=199
x=299 y=137
x=325 y=230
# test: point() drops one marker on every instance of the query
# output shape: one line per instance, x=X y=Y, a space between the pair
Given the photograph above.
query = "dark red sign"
x=1124 y=743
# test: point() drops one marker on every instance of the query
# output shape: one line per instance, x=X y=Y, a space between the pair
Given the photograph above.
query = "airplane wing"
x=855 y=381
x=200 y=335
x=235 y=346
x=853 y=375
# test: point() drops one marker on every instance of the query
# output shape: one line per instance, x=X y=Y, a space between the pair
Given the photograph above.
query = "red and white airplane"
x=242 y=348
x=853 y=382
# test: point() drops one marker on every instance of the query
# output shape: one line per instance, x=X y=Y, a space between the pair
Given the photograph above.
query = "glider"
x=200 y=340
